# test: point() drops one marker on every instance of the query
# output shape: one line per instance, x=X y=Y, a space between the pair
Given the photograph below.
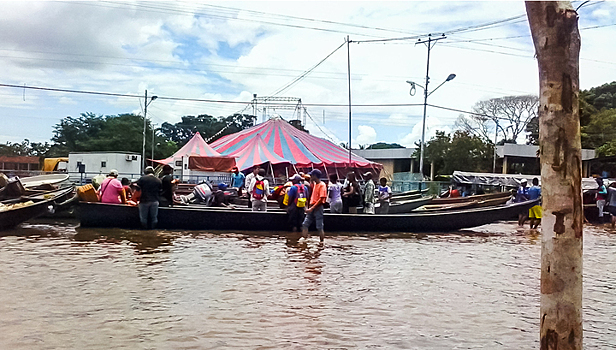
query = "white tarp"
x=490 y=179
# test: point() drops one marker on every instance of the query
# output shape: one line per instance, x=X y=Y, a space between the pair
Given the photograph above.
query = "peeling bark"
x=557 y=43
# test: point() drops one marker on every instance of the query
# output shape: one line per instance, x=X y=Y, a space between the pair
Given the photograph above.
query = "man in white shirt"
x=248 y=183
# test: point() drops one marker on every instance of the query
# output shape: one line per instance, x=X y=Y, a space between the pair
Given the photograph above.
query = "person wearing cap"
x=296 y=200
x=237 y=180
x=314 y=213
x=168 y=183
x=259 y=190
x=150 y=187
x=111 y=189
x=369 y=197
x=221 y=198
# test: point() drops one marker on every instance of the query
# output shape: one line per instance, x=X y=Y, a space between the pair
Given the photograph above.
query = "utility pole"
x=254 y=104
x=145 y=118
x=429 y=44
x=349 y=78
x=153 y=136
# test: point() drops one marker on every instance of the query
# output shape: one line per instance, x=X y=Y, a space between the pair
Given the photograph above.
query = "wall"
x=93 y=162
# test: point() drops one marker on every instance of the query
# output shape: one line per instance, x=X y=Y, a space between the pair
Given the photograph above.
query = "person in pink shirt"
x=111 y=190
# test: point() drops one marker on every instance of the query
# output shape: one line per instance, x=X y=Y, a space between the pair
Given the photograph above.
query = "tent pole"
x=326 y=173
x=286 y=169
x=272 y=169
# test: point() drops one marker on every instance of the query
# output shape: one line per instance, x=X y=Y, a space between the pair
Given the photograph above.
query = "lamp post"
x=423 y=128
x=145 y=118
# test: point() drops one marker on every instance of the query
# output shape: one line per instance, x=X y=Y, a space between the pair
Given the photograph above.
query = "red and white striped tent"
x=299 y=148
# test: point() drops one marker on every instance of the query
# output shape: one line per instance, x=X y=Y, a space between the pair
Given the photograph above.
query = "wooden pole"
x=554 y=28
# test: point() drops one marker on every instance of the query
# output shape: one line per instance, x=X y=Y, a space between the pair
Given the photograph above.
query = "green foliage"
x=207 y=125
x=383 y=145
x=600 y=133
x=123 y=132
x=460 y=151
x=25 y=148
x=601 y=97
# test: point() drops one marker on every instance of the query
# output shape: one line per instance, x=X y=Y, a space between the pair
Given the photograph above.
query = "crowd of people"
x=303 y=196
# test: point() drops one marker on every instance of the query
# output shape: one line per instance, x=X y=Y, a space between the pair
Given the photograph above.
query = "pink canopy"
x=197 y=148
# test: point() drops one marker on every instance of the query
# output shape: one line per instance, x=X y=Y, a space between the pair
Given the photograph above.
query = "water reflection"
x=144 y=242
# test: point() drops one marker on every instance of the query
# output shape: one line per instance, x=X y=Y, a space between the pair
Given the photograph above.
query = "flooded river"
x=63 y=287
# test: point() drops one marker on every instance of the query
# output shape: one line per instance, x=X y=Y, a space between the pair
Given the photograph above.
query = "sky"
x=228 y=51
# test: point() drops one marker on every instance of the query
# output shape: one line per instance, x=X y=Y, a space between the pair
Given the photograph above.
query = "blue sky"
x=230 y=50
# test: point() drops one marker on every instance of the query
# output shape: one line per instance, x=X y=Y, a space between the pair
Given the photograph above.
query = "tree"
x=207 y=125
x=122 y=133
x=25 y=148
x=600 y=133
x=556 y=38
x=509 y=115
x=477 y=125
x=383 y=145
x=460 y=151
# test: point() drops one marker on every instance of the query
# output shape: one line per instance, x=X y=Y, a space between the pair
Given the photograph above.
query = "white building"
x=90 y=164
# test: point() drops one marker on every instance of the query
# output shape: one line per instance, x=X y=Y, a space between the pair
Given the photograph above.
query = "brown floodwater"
x=63 y=287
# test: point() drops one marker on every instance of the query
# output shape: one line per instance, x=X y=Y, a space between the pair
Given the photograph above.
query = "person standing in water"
x=535 y=213
x=150 y=187
x=314 y=213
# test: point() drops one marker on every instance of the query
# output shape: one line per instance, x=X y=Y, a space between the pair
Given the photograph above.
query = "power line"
x=305 y=73
x=201 y=99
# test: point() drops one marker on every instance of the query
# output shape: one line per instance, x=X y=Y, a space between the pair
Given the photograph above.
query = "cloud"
x=200 y=50
x=433 y=124
x=366 y=136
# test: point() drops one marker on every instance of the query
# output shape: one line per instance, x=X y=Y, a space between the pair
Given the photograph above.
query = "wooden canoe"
x=481 y=197
x=407 y=193
x=471 y=204
x=40 y=205
x=191 y=218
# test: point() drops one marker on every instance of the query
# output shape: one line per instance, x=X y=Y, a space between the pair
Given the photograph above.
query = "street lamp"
x=423 y=128
x=145 y=118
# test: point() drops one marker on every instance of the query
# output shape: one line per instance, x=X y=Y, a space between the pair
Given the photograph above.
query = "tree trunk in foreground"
x=557 y=43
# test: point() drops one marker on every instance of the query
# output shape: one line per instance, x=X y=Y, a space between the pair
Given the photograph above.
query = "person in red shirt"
x=314 y=212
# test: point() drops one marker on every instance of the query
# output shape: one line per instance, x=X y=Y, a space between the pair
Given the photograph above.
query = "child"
x=334 y=191
x=384 y=196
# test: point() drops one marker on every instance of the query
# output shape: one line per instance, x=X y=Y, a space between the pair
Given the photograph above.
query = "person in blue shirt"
x=522 y=196
x=535 y=213
x=237 y=180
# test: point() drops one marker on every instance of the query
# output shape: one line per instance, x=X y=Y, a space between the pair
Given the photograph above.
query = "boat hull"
x=191 y=218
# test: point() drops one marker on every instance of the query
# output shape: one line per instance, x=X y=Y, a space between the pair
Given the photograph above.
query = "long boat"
x=43 y=180
x=463 y=205
x=15 y=211
x=199 y=218
x=479 y=197
x=406 y=206
x=407 y=193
